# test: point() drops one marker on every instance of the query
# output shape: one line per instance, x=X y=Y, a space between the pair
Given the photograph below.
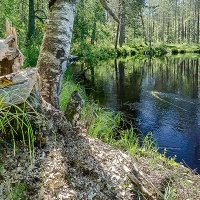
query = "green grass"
x=89 y=53
x=15 y=124
x=105 y=125
x=67 y=89
x=170 y=193
x=17 y=192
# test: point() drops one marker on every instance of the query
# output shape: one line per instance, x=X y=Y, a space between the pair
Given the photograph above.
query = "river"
x=161 y=96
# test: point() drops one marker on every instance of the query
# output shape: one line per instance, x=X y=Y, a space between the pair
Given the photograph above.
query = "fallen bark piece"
x=15 y=88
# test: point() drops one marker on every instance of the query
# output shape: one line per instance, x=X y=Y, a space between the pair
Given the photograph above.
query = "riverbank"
x=91 y=52
x=103 y=124
x=77 y=165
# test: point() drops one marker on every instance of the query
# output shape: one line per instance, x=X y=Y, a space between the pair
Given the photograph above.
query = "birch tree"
x=55 y=49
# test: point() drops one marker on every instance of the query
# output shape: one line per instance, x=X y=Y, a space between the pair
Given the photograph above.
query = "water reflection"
x=161 y=96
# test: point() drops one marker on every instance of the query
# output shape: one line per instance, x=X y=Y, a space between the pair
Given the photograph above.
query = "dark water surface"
x=161 y=96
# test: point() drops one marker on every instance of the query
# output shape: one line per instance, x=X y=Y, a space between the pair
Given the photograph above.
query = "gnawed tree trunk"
x=55 y=49
x=11 y=59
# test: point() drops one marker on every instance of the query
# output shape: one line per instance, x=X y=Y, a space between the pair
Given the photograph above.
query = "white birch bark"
x=55 y=49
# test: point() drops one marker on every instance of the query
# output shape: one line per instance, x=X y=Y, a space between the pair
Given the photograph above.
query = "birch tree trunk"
x=55 y=49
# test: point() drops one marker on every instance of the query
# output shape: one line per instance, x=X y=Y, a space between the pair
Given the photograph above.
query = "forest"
x=99 y=99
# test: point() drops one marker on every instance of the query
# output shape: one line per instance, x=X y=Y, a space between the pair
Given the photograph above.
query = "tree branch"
x=108 y=9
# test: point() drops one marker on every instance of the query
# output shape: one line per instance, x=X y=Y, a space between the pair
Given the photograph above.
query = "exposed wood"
x=55 y=50
x=15 y=88
x=11 y=59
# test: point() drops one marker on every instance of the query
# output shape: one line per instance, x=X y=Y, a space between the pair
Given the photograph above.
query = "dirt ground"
x=75 y=166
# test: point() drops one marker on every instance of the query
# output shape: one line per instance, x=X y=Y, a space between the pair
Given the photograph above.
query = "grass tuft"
x=170 y=193
x=15 y=125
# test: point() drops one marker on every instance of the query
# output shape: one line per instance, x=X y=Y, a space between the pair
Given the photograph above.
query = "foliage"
x=31 y=52
x=95 y=31
x=172 y=21
x=15 y=123
x=68 y=88
x=170 y=193
x=17 y=13
x=106 y=125
x=175 y=51
x=89 y=52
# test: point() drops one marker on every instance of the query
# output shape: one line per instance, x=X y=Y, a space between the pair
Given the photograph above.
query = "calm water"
x=161 y=96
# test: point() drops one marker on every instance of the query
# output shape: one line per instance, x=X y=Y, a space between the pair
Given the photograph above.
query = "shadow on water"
x=161 y=96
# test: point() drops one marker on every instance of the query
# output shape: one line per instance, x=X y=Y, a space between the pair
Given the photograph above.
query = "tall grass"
x=106 y=125
x=15 y=124
x=170 y=193
x=68 y=88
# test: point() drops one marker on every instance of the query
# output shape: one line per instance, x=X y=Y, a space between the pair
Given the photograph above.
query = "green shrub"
x=159 y=51
x=196 y=51
x=133 y=52
x=182 y=51
x=31 y=51
x=175 y=51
